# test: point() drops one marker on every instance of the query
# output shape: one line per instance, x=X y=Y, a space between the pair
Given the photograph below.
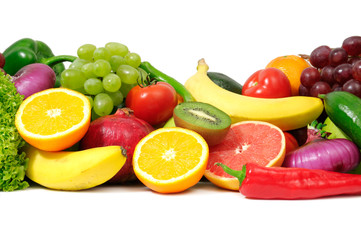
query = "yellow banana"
x=76 y=170
x=286 y=113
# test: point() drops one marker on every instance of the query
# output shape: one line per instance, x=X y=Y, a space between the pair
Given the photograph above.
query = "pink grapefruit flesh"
x=248 y=141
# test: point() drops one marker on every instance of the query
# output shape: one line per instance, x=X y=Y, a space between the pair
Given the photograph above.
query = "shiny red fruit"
x=267 y=83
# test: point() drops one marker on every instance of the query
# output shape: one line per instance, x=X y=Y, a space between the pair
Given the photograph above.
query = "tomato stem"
x=145 y=82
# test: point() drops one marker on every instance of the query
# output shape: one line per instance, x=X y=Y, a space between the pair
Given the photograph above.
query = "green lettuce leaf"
x=13 y=162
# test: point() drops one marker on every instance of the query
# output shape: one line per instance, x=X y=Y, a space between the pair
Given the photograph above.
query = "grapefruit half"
x=246 y=142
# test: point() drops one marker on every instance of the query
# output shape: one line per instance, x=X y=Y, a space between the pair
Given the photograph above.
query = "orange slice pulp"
x=170 y=160
x=53 y=119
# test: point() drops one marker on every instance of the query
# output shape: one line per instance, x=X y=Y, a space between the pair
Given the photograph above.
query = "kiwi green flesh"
x=203 y=115
x=212 y=124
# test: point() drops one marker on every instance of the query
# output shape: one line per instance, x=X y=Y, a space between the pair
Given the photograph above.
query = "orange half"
x=170 y=160
x=53 y=119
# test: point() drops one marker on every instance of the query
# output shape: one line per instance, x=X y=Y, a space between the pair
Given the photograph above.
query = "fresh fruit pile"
x=333 y=69
x=114 y=119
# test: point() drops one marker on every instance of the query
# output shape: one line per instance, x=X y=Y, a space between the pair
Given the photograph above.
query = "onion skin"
x=120 y=129
x=34 y=78
x=338 y=155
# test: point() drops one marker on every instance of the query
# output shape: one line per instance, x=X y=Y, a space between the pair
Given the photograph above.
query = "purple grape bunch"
x=333 y=69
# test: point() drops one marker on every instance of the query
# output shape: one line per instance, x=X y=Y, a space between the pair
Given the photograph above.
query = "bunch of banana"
x=287 y=113
x=78 y=170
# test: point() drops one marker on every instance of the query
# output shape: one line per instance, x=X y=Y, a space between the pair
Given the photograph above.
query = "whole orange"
x=292 y=66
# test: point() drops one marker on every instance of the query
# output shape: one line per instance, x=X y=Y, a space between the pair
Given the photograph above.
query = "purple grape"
x=310 y=76
x=327 y=74
x=342 y=73
x=353 y=86
x=303 y=91
x=338 y=56
x=353 y=60
x=356 y=70
x=320 y=88
x=352 y=45
x=336 y=87
x=319 y=57
x=2 y=60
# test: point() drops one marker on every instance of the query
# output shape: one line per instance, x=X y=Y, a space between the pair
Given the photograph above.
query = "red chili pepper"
x=292 y=183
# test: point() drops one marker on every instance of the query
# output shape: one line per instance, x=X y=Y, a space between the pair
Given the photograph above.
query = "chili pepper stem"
x=57 y=59
x=161 y=77
x=240 y=175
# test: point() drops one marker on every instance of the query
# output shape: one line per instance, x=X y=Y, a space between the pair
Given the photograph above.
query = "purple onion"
x=34 y=78
x=338 y=155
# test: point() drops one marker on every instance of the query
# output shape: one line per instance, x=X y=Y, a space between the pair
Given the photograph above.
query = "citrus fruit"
x=53 y=119
x=246 y=142
x=292 y=66
x=170 y=160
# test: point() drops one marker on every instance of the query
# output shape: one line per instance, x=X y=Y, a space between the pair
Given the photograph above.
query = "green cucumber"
x=344 y=110
x=225 y=82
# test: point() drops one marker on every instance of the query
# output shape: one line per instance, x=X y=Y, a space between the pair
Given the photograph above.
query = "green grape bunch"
x=104 y=74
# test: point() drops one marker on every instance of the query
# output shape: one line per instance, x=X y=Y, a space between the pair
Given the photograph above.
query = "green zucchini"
x=225 y=82
x=344 y=110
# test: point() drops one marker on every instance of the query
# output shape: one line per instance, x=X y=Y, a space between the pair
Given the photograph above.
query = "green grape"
x=111 y=82
x=88 y=70
x=78 y=63
x=115 y=61
x=101 y=53
x=94 y=115
x=93 y=86
x=128 y=74
x=103 y=104
x=73 y=78
x=86 y=51
x=117 y=97
x=90 y=98
x=101 y=68
x=125 y=88
x=117 y=48
x=132 y=59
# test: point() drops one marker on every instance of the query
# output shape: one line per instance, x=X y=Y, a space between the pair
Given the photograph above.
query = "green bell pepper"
x=27 y=51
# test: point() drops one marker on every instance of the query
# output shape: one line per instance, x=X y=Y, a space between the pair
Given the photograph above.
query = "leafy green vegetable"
x=13 y=162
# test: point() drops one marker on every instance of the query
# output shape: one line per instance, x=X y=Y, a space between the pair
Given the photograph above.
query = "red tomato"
x=291 y=142
x=154 y=103
x=267 y=83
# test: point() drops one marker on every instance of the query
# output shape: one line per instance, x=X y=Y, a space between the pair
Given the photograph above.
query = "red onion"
x=120 y=129
x=34 y=78
x=339 y=155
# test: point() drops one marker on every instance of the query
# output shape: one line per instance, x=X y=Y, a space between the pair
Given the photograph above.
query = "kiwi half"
x=210 y=122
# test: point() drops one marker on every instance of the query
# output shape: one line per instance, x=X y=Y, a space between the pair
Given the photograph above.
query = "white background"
x=236 y=38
